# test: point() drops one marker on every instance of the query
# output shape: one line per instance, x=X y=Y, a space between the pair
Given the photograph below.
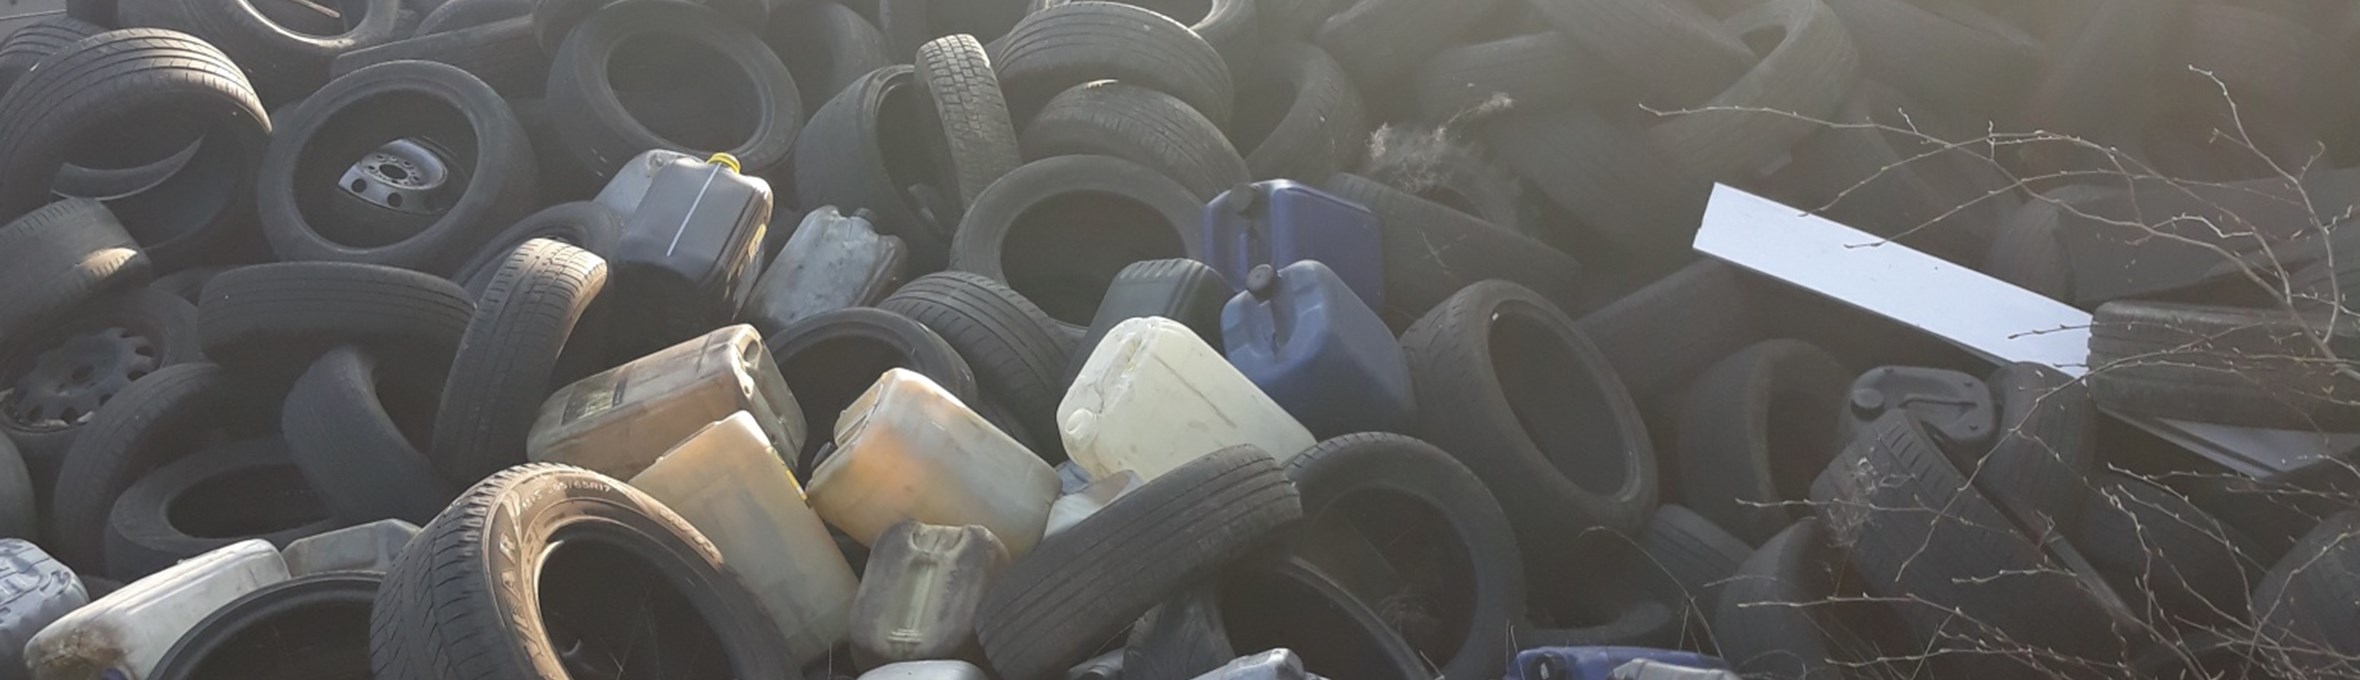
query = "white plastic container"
x=35 y=590
x=617 y=422
x=367 y=547
x=1153 y=396
x=907 y=449
x=122 y=635
x=926 y=670
x=729 y=484
x=1276 y=664
x=917 y=600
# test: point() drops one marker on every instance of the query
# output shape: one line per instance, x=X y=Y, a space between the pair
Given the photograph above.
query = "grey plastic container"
x=831 y=262
x=917 y=600
x=617 y=422
x=38 y=592
x=1276 y=664
x=367 y=547
x=926 y=670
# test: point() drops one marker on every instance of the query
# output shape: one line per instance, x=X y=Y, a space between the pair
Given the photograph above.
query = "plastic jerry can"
x=907 y=449
x=367 y=547
x=1597 y=663
x=1179 y=289
x=732 y=486
x=618 y=421
x=123 y=635
x=1154 y=396
x=35 y=590
x=1280 y=222
x=917 y=600
x=831 y=262
x=926 y=670
x=1276 y=664
x=1319 y=351
x=1955 y=407
x=689 y=254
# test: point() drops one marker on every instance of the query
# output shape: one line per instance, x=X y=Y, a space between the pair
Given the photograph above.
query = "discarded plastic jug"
x=1280 y=222
x=832 y=261
x=926 y=670
x=367 y=547
x=732 y=486
x=618 y=421
x=1179 y=289
x=689 y=254
x=1072 y=508
x=35 y=590
x=1955 y=407
x=630 y=184
x=123 y=635
x=1154 y=396
x=1319 y=351
x=1276 y=664
x=917 y=600
x=1647 y=669
x=1598 y=663
x=907 y=450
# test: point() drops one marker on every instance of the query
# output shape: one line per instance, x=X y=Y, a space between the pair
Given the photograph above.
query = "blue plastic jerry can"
x=1279 y=222
x=1599 y=663
x=1323 y=354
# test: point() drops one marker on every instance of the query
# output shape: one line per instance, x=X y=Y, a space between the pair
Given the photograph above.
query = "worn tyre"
x=450 y=115
x=159 y=419
x=965 y=120
x=56 y=258
x=827 y=46
x=1379 y=40
x=1917 y=530
x=285 y=63
x=2301 y=606
x=58 y=378
x=1756 y=429
x=1506 y=384
x=850 y=158
x=452 y=607
x=1058 y=230
x=355 y=427
x=1794 y=611
x=128 y=78
x=508 y=355
x=1139 y=125
x=2174 y=561
x=1057 y=48
x=1083 y=585
x=277 y=317
x=2039 y=466
x=21 y=50
x=501 y=54
x=747 y=102
x=1299 y=117
x=1432 y=251
x=587 y=225
x=212 y=498
x=1773 y=106
x=1440 y=521
x=316 y=626
x=2225 y=365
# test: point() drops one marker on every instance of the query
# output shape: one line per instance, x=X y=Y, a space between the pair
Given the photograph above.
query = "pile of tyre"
x=300 y=303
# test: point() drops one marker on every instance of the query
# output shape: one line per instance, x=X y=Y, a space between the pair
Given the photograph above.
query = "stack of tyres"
x=1030 y=339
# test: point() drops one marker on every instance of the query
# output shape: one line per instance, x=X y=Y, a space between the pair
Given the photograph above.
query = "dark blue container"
x=1596 y=663
x=1303 y=337
x=1279 y=222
